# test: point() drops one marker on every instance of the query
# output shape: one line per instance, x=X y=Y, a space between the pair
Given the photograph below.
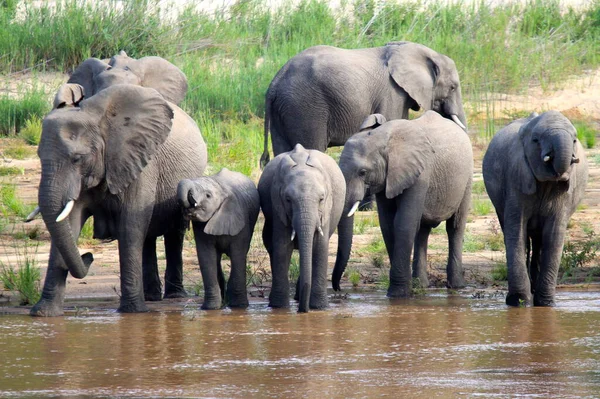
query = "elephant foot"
x=279 y=303
x=398 y=292
x=132 y=307
x=456 y=282
x=46 y=308
x=179 y=293
x=518 y=299
x=211 y=305
x=238 y=301
x=318 y=305
x=543 y=301
x=152 y=296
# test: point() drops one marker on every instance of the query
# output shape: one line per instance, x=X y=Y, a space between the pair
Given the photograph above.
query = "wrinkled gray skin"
x=420 y=172
x=321 y=96
x=94 y=75
x=119 y=155
x=223 y=209
x=535 y=172
x=301 y=191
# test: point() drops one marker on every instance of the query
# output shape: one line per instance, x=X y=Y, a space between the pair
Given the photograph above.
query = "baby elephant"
x=223 y=209
x=302 y=196
x=420 y=172
x=535 y=172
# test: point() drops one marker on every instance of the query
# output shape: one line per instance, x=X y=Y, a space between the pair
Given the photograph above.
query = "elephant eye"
x=536 y=140
x=75 y=159
x=208 y=195
x=362 y=172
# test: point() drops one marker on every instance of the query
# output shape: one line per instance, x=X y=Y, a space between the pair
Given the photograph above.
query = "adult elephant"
x=320 y=97
x=420 y=172
x=535 y=172
x=117 y=156
x=94 y=75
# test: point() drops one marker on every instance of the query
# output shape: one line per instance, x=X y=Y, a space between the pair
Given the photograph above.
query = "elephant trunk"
x=52 y=205
x=345 y=231
x=306 y=227
x=185 y=195
x=562 y=148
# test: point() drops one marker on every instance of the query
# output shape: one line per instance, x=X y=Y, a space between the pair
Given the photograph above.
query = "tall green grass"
x=231 y=57
x=15 y=112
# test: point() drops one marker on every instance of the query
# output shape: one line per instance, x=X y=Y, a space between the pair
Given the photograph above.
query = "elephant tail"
x=264 y=159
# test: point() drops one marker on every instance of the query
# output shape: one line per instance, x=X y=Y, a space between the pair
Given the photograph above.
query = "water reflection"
x=438 y=346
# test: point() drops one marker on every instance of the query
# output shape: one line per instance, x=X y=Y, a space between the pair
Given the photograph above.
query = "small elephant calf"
x=223 y=209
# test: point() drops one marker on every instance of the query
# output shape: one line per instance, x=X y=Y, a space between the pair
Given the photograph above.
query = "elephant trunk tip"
x=87 y=259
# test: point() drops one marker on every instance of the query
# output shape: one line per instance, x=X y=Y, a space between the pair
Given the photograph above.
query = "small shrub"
x=353 y=277
x=577 y=254
x=481 y=207
x=14 y=113
x=478 y=187
x=383 y=281
x=378 y=261
x=417 y=288
x=24 y=278
x=500 y=272
x=10 y=203
x=472 y=243
x=364 y=221
x=586 y=134
x=32 y=131
x=19 y=150
x=11 y=171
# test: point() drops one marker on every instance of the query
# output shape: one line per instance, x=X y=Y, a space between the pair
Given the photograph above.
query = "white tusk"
x=66 y=211
x=320 y=230
x=195 y=204
x=354 y=208
x=33 y=214
x=293 y=234
x=546 y=158
x=458 y=122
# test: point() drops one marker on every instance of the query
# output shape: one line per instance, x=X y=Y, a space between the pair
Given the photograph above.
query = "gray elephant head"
x=429 y=78
x=95 y=75
x=377 y=160
x=96 y=148
x=211 y=199
x=549 y=151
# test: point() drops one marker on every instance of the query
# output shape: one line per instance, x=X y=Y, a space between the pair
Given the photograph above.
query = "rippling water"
x=438 y=346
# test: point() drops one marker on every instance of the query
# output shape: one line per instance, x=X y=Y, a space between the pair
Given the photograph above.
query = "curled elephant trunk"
x=53 y=208
x=185 y=194
x=562 y=148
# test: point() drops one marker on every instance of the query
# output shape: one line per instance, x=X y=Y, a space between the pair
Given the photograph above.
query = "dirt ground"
x=578 y=99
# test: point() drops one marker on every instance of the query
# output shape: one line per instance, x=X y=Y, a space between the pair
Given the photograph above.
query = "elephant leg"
x=134 y=226
x=455 y=228
x=152 y=284
x=553 y=237
x=237 y=296
x=515 y=236
x=209 y=261
x=535 y=260
x=282 y=248
x=406 y=225
x=52 y=300
x=318 y=290
x=174 y=272
x=419 y=268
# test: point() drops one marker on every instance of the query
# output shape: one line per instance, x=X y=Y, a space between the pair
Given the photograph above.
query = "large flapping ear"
x=134 y=121
x=520 y=171
x=231 y=217
x=413 y=68
x=409 y=152
x=68 y=95
x=85 y=73
x=286 y=163
x=157 y=73
x=372 y=121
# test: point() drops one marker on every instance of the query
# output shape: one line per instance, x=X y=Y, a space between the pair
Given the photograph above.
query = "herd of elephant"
x=117 y=147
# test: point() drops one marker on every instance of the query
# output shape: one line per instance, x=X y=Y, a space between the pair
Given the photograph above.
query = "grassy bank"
x=230 y=58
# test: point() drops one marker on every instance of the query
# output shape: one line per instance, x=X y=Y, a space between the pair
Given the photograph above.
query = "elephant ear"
x=409 y=153
x=520 y=171
x=372 y=121
x=134 y=122
x=413 y=69
x=157 y=73
x=285 y=164
x=85 y=73
x=68 y=95
x=230 y=218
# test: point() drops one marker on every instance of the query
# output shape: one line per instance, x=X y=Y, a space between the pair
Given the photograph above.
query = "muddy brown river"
x=439 y=346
